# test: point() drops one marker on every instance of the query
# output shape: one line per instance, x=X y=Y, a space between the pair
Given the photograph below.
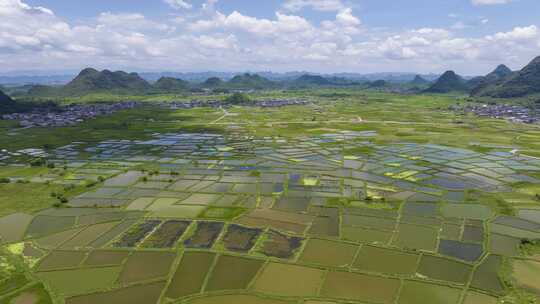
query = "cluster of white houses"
x=511 y=112
x=267 y=103
x=70 y=115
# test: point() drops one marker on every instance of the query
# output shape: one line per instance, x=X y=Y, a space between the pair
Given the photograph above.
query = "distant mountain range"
x=55 y=79
x=90 y=81
x=500 y=83
x=19 y=80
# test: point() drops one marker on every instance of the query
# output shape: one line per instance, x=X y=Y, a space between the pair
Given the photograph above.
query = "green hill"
x=250 y=81
x=311 y=80
x=213 y=82
x=449 y=82
x=320 y=81
x=5 y=99
x=517 y=84
x=378 y=84
x=44 y=91
x=419 y=80
x=171 y=85
x=479 y=84
x=92 y=81
x=7 y=104
x=500 y=72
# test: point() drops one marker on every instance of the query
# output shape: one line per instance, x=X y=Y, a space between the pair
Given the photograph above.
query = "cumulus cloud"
x=40 y=29
x=237 y=21
x=212 y=40
x=434 y=45
x=228 y=42
x=517 y=34
x=130 y=22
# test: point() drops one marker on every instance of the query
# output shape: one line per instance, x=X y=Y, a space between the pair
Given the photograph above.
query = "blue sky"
x=469 y=36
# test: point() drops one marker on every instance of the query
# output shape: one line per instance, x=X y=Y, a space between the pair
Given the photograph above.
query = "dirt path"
x=225 y=114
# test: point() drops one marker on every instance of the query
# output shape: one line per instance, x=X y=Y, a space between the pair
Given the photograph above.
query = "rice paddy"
x=316 y=218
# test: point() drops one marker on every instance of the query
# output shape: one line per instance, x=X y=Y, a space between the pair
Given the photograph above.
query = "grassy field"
x=414 y=118
x=32 y=197
x=131 y=124
x=259 y=199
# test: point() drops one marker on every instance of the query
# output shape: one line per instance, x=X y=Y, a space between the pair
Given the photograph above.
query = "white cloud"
x=432 y=33
x=490 y=2
x=517 y=34
x=211 y=40
x=431 y=46
x=345 y=17
x=130 y=22
x=178 y=4
x=40 y=29
x=14 y=6
x=344 y=24
x=318 y=5
x=216 y=42
x=236 y=21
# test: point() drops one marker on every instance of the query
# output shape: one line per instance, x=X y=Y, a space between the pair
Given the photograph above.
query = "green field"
x=357 y=197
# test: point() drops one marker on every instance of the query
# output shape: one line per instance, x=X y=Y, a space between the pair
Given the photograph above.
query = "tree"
x=37 y=162
x=238 y=98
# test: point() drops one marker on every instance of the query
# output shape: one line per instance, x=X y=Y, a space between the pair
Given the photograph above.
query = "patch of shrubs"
x=91 y=183
x=60 y=197
x=69 y=187
x=529 y=247
x=37 y=162
x=238 y=98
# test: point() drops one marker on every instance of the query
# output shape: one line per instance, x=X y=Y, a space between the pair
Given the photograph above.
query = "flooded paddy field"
x=332 y=218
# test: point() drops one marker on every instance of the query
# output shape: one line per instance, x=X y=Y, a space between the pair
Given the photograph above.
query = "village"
x=68 y=116
x=513 y=113
x=267 y=103
x=75 y=114
x=276 y=103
